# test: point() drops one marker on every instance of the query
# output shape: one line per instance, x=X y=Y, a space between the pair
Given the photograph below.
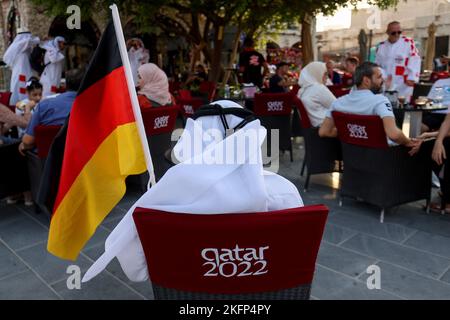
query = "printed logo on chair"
x=237 y=262
x=275 y=106
x=161 y=122
x=357 y=131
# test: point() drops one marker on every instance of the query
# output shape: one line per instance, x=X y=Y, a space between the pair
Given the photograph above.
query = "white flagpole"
x=132 y=91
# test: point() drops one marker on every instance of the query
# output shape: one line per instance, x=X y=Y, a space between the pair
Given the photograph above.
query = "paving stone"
x=22 y=232
x=342 y=260
x=418 y=261
x=25 y=285
x=410 y=285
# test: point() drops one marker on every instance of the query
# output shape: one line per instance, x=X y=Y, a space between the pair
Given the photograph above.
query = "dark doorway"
x=441 y=46
x=81 y=43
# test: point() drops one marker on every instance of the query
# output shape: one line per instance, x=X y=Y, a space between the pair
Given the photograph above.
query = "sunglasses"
x=394 y=33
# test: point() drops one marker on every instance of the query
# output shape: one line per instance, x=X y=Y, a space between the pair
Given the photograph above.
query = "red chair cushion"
x=437 y=75
x=159 y=120
x=273 y=104
x=362 y=130
x=231 y=253
x=44 y=136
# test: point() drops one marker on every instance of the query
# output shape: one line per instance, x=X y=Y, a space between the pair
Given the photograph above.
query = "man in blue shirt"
x=52 y=111
x=366 y=100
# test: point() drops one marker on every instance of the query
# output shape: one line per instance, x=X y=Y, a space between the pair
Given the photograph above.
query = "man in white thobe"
x=138 y=55
x=17 y=57
x=54 y=65
x=400 y=61
x=206 y=181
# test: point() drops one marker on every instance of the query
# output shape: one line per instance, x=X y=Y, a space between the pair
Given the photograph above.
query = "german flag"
x=102 y=147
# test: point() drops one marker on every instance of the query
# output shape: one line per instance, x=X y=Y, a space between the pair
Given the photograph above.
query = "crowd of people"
x=38 y=98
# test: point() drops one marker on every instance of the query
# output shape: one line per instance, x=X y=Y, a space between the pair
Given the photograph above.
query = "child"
x=34 y=91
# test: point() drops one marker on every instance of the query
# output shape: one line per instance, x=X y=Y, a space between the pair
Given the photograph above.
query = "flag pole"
x=132 y=91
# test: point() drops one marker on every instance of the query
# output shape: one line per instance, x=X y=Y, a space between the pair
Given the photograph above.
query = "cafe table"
x=416 y=113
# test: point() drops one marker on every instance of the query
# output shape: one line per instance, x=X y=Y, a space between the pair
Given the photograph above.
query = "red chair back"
x=227 y=254
x=437 y=75
x=273 y=104
x=339 y=91
x=347 y=79
x=295 y=89
x=44 y=136
x=5 y=97
x=304 y=118
x=184 y=94
x=189 y=106
x=174 y=87
x=366 y=131
x=159 y=120
x=209 y=88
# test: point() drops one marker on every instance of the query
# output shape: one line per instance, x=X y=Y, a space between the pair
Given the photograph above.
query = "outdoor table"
x=416 y=116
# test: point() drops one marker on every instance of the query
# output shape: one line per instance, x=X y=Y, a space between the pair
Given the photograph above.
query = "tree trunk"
x=216 y=63
x=233 y=56
x=307 y=47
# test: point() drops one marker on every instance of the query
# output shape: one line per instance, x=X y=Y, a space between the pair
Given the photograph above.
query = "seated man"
x=431 y=121
x=279 y=83
x=366 y=100
x=220 y=171
x=52 y=111
x=350 y=64
x=441 y=163
x=334 y=77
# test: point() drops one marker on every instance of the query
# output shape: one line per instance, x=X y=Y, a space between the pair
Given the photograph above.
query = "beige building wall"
x=414 y=15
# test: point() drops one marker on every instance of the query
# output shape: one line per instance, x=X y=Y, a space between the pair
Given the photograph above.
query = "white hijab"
x=195 y=187
x=21 y=43
x=310 y=75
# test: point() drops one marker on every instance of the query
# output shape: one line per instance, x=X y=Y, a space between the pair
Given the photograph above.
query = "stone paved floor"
x=411 y=248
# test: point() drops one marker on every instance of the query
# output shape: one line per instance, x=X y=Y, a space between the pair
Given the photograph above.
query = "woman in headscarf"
x=138 y=55
x=153 y=87
x=316 y=97
x=209 y=179
x=17 y=57
x=54 y=64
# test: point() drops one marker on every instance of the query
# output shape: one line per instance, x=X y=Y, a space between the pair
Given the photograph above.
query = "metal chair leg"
x=292 y=154
x=307 y=182
x=382 y=216
x=427 y=206
x=341 y=202
x=303 y=167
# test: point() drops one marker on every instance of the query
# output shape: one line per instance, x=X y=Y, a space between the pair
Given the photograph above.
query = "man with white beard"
x=220 y=171
x=17 y=57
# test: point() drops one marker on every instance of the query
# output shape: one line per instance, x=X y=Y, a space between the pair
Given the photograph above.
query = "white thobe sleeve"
x=55 y=56
x=380 y=62
x=414 y=62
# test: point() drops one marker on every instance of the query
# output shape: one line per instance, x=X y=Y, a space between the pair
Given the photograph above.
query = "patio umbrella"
x=431 y=47
x=362 y=41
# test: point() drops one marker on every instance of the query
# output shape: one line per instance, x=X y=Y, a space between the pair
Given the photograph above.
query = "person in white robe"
x=216 y=175
x=54 y=65
x=17 y=57
x=399 y=60
x=138 y=55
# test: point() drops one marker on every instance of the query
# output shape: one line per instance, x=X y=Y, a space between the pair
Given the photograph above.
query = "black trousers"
x=427 y=147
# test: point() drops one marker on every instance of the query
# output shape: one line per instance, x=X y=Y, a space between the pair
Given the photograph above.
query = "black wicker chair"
x=322 y=155
x=159 y=122
x=382 y=175
x=44 y=136
x=13 y=171
x=223 y=256
x=274 y=112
